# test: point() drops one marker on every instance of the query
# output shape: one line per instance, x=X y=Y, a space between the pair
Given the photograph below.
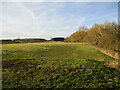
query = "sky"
x=53 y=19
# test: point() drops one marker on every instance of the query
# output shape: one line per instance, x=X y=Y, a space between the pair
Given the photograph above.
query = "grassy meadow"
x=56 y=65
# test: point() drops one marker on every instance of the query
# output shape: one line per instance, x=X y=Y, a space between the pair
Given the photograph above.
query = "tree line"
x=30 y=40
x=105 y=35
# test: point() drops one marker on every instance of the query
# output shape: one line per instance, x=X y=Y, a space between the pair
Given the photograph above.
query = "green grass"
x=56 y=65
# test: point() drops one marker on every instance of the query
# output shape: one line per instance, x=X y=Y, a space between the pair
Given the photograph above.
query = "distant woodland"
x=104 y=35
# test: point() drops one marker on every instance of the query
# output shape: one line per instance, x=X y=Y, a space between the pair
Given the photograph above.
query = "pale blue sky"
x=52 y=19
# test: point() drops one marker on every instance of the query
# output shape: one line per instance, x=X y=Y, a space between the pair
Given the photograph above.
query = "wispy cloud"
x=48 y=19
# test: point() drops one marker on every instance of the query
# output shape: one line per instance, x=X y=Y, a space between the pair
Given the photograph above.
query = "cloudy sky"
x=53 y=19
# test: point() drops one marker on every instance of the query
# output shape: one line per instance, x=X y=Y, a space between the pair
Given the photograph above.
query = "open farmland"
x=56 y=65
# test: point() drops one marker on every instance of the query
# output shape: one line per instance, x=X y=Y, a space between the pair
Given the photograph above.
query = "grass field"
x=56 y=65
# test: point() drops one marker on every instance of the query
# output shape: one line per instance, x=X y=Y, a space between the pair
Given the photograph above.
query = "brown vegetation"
x=100 y=35
x=104 y=37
